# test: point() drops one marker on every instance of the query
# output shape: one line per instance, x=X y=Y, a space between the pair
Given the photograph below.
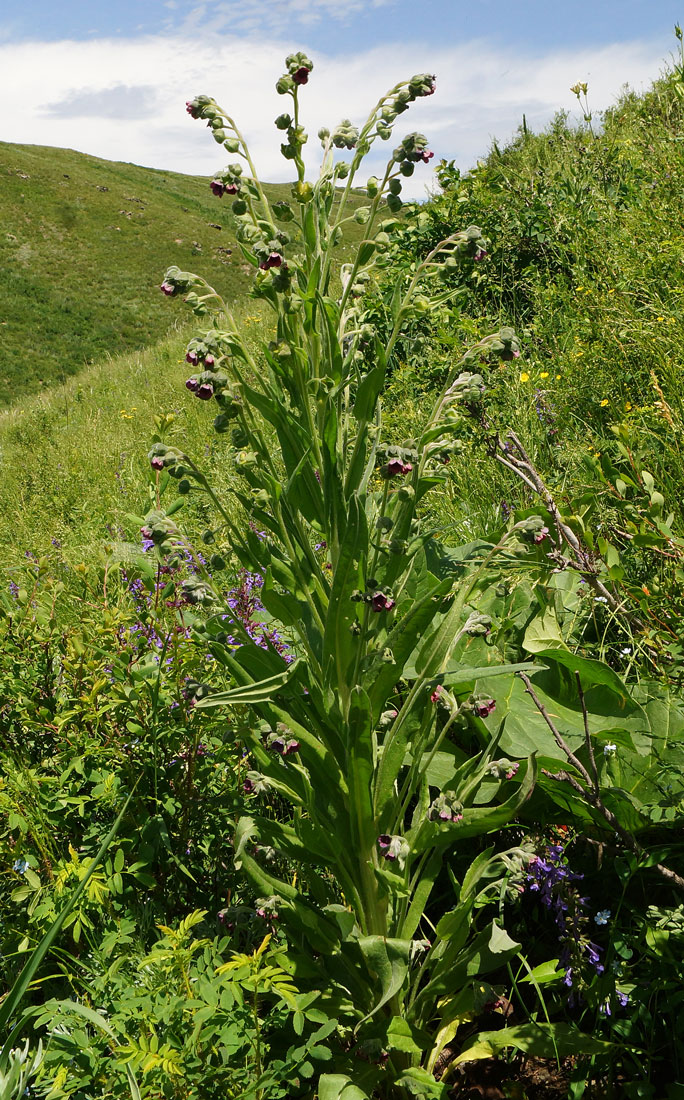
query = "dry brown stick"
x=524 y=468
x=587 y=735
x=593 y=794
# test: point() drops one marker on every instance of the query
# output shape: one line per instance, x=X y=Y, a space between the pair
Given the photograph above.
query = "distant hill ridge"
x=84 y=243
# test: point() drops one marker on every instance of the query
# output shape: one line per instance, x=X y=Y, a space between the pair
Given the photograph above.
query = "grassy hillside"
x=83 y=248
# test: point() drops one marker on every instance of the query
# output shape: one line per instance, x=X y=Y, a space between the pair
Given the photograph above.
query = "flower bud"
x=394 y=203
x=372 y=187
x=302 y=192
x=284 y=85
x=283 y=121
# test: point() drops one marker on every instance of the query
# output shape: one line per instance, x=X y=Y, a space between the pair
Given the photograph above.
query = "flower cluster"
x=298 y=66
x=412 y=150
x=446 y=808
x=227 y=181
x=423 y=84
x=378 y=599
x=396 y=461
x=393 y=848
x=552 y=880
x=532 y=529
x=280 y=741
x=177 y=281
x=345 y=135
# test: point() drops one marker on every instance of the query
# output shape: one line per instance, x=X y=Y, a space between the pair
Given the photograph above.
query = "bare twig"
x=587 y=735
x=511 y=454
x=591 y=793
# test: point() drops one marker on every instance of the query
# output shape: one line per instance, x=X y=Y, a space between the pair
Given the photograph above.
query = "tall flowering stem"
x=357 y=691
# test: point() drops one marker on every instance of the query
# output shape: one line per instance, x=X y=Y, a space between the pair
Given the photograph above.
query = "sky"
x=111 y=79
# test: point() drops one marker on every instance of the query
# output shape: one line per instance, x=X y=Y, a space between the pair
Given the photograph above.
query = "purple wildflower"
x=380 y=602
x=274 y=259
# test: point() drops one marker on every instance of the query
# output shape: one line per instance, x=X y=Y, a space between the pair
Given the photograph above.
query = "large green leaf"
x=540 y=1040
x=388 y=963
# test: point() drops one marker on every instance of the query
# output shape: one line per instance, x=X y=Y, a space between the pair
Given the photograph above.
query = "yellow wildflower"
x=628 y=405
x=604 y=402
x=544 y=374
x=524 y=376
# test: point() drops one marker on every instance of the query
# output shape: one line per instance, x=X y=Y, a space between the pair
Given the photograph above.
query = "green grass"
x=83 y=248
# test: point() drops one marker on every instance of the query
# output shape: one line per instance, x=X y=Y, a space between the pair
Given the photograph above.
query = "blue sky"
x=111 y=79
x=540 y=24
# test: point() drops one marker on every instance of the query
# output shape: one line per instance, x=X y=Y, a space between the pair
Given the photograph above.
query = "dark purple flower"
x=426 y=156
x=274 y=259
x=218 y=188
x=248 y=785
x=480 y=255
x=192 y=357
x=192 y=384
x=381 y=602
x=484 y=707
x=230 y=188
x=205 y=392
x=192 y=108
x=396 y=468
x=384 y=842
x=157 y=463
x=209 y=361
x=301 y=76
x=168 y=289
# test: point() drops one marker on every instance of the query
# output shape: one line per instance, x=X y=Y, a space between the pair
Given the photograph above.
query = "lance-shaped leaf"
x=260 y=692
x=339 y=644
x=11 y=1003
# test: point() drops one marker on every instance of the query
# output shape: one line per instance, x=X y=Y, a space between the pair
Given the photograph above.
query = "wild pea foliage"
x=351 y=712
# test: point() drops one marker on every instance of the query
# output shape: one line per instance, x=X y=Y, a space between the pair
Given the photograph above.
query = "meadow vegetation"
x=341 y=726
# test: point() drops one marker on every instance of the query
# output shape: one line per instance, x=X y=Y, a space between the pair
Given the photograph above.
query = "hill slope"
x=83 y=247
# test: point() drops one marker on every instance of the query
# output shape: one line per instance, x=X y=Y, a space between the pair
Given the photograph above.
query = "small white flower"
x=600 y=599
x=626 y=651
x=609 y=749
x=602 y=917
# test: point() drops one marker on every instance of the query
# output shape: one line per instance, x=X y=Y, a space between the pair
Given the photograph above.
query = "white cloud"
x=247 y=16
x=65 y=94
